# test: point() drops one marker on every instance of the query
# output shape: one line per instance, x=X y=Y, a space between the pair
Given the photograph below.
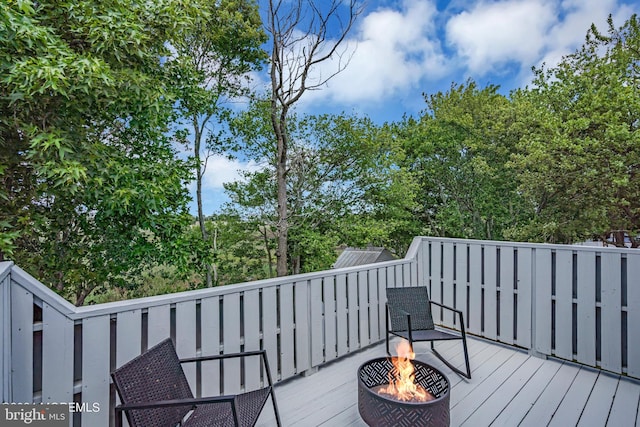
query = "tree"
x=342 y=187
x=580 y=151
x=92 y=190
x=458 y=152
x=211 y=64
x=240 y=251
x=304 y=33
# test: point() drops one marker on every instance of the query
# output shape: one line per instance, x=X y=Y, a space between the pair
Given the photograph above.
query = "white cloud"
x=490 y=34
x=392 y=51
x=568 y=34
x=221 y=169
x=493 y=34
x=402 y=48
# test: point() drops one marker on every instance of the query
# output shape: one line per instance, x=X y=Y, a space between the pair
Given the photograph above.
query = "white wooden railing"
x=571 y=302
x=54 y=352
x=576 y=303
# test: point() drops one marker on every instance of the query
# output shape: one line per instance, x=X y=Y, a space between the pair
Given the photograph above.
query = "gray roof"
x=354 y=256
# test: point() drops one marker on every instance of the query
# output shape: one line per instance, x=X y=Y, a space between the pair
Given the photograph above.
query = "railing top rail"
x=575 y=247
x=412 y=252
x=5 y=269
x=63 y=306
x=41 y=291
x=120 y=306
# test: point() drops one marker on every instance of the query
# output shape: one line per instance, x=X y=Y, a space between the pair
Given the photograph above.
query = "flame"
x=402 y=385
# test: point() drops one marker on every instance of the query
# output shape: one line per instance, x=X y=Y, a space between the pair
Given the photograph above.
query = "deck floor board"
x=624 y=410
x=515 y=411
x=508 y=388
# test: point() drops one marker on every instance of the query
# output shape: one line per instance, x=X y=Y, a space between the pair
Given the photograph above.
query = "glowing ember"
x=402 y=385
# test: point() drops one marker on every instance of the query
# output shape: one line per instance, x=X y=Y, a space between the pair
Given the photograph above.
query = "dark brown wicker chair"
x=154 y=392
x=409 y=316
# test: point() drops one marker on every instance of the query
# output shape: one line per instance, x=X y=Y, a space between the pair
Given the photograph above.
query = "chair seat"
x=249 y=406
x=428 y=335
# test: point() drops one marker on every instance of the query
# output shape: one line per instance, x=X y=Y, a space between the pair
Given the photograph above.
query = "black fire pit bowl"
x=378 y=410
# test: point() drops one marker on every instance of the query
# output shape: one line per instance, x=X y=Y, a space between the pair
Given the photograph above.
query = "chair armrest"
x=458 y=312
x=174 y=402
x=445 y=306
x=261 y=353
x=222 y=356
x=192 y=402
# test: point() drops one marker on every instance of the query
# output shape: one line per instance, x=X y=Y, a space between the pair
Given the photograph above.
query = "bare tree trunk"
x=265 y=237
x=287 y=20
x=82 y=294
x=279 y=125
x=214 y=267
x=197 y=138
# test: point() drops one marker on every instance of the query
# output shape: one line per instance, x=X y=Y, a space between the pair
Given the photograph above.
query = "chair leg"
x=275 y=409
x=118 y=418
x=386 y=325
x=466 y=374
x=388 y=352
x=466 y=358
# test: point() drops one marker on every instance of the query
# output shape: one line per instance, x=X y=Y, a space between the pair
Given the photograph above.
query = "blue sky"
x=404 y=48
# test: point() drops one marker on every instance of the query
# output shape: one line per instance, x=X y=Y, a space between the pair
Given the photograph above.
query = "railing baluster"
x=341 y=315
x=352 y=309
x=330 y=318
x=251 y=338
x=525 y=301
x=374 y=306
x=564 y=304
x=186 y=338
x=363 y=308
x=507 y=290
x=317 y=313
x=611 y=298
x=96 y=332
x=302 y=344
x=633 y=314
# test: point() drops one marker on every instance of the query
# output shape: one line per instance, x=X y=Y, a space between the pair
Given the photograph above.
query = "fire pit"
x=378 y=407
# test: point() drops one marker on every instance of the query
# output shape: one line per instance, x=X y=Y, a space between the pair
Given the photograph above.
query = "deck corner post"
x=5 y=318
x=533 y=352
x=310 y=371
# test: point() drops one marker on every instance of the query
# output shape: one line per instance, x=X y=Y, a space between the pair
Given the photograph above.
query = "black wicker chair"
x=409 y=316
x=154 y=392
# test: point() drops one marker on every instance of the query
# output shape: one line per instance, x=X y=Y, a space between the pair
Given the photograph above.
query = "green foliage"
x=343 y=185
x=242 y=252
x=213 y=58
x=91 y=186
x=153 y=280
x=210 y=66
x=579 y=154
x=457 y=152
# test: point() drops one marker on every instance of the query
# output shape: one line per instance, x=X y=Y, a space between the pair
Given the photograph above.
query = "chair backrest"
x=154 y=375
x=413 y=300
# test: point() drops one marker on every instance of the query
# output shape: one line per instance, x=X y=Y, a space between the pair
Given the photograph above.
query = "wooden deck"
x=508 y=388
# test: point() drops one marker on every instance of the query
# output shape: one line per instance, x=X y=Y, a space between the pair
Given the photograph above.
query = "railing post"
x=415 y=255
x=5 y=315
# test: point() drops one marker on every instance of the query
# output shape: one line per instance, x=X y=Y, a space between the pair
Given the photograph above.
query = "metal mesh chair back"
x=413 y=300
x=154 y=375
